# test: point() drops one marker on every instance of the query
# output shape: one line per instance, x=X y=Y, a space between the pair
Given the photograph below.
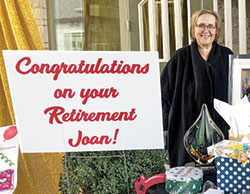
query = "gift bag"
x=8 y=159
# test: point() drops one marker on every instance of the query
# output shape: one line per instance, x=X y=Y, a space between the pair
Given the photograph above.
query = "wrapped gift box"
x=233 y=167
x=184 y=179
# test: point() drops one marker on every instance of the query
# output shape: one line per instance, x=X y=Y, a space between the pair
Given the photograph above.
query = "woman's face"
x=205 y=30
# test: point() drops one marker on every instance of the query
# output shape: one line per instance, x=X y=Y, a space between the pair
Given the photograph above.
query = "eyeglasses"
x=203 y=26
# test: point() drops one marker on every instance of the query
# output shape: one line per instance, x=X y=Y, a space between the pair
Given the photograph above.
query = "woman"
x=195 y=74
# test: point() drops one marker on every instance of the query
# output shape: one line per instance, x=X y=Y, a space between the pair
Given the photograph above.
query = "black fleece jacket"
x=187 y=82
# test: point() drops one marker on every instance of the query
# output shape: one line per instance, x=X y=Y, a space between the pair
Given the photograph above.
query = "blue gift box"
x=231 y=176
x=233 y=167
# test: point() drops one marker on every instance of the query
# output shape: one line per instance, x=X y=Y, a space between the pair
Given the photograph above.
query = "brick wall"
x=39 y=10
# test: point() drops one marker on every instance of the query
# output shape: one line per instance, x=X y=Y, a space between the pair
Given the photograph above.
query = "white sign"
x=67 y=101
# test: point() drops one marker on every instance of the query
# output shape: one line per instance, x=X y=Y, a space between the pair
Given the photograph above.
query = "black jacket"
x=187 y=82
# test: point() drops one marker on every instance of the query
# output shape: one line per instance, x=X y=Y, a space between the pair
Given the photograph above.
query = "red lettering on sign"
x=25 y=66
x=57 y=114
x=104 y=139
x=101 y=93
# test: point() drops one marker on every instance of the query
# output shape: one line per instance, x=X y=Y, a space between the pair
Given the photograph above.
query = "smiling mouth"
x=206 y=36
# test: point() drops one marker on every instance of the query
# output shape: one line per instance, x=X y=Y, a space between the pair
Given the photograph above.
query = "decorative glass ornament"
x=202 y=134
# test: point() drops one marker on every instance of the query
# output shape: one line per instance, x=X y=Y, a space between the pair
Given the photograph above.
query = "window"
x=84 y=24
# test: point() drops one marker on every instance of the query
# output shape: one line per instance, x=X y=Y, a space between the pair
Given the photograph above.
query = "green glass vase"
x=202 y=134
